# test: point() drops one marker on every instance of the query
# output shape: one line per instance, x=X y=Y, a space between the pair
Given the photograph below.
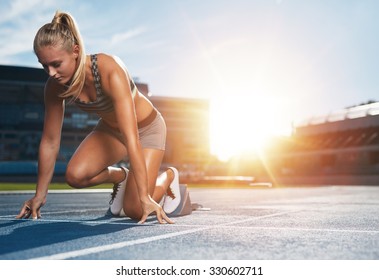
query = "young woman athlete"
x=129 y=126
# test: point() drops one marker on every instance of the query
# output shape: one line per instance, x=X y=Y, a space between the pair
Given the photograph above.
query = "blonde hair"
x=63 y=30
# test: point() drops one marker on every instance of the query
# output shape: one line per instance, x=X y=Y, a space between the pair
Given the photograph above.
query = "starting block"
x=185 y=206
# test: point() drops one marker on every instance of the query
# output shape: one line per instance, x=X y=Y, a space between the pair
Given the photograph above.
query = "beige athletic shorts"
x=151 y=135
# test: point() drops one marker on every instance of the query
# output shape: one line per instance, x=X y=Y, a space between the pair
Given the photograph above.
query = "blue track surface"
x=309 y=223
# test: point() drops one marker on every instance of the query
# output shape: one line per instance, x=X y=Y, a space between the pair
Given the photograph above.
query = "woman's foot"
x=117 y=196
x=172 y=197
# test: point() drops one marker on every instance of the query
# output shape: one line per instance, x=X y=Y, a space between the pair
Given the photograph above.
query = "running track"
x=293 y=223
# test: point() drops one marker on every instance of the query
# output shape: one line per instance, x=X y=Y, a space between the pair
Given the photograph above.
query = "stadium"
x=320 y=221
x=246 y=199
x=339 y=148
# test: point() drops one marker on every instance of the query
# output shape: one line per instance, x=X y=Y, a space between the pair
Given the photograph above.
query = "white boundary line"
x=122 y=222
x=57 y=212
x=13 y=218
x=119 y=245
x=59 y=191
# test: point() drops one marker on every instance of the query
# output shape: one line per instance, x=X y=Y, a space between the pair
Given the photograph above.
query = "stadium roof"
x=355 y=112
x=362 y=116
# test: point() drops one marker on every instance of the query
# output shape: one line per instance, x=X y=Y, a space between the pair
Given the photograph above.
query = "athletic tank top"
x=103 y=103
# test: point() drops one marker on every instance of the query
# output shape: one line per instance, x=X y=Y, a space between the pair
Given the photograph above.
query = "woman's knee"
x=133 y=213
x=75 y=177
x=132 y=209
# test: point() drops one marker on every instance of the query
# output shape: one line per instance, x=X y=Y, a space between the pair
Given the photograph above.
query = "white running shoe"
x=117 y=196
x=171 y=203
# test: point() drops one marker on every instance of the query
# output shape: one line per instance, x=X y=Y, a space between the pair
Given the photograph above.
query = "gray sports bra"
x=103 y=103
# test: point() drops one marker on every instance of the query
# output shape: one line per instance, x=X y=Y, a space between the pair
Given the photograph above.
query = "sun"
x=243 y=124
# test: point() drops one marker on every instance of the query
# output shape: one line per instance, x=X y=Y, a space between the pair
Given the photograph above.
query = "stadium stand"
x=342 y=147
x=338 y=148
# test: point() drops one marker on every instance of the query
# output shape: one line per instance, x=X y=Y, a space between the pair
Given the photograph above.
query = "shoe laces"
x=116 y=188
x=114 y=192
x=170 y=193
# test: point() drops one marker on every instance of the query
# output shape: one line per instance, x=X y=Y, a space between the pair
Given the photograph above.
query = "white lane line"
x=58 y=212
x=119 y=245
x=124 y=222
x=15 y=192
x=75 y=211
x=111 y=220
x=94 y=222
x=306 y=229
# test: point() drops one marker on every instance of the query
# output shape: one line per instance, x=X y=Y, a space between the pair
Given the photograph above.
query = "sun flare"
x=242 y=124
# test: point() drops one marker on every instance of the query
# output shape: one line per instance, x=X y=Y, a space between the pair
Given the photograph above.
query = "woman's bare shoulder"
x=111 y=68
x=110 y=63
x=106 y=60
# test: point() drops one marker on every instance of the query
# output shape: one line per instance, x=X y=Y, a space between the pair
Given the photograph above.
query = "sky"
x=292 y=59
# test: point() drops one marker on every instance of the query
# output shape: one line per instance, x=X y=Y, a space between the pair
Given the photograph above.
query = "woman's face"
x=59 y=63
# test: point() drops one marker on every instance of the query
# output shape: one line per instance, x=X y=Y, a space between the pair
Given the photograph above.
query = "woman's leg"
x=161 y=186
x=157 y=186
x=91 y=163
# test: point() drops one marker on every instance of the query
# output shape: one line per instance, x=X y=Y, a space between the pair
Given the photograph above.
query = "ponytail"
x=63 y=30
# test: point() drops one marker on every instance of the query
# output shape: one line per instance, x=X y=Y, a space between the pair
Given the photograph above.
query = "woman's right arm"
x=48 y=150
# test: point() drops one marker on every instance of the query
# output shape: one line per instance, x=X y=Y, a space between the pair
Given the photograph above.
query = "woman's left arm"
x=120 y=92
